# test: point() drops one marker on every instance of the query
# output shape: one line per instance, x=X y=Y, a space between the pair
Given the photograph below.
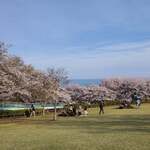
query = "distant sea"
x=85 y=82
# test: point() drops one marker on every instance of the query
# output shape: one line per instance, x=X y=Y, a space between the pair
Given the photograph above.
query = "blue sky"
x=89 y=38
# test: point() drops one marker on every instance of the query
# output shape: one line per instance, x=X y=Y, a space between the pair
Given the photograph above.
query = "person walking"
x=138 y=101
x=101 y=106
x=32 y=110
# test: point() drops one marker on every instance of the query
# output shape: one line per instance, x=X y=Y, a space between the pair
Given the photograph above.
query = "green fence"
x=19 y=109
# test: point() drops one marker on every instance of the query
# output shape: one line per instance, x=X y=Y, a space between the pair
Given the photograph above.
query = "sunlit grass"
x=127 y=129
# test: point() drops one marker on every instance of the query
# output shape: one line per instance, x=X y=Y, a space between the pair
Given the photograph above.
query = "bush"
x=15 y=113
x=111 y=102
x=106 y=103
x=11 y=113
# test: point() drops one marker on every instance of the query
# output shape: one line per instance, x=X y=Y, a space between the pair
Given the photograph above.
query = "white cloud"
x=126 y=59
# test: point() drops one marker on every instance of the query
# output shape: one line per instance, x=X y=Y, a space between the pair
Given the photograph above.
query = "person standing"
x=32 y=110
x=101 y=106
x=80 y=110
x=138 y=101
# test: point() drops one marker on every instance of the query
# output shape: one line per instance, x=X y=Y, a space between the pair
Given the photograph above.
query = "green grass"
x=116 y=130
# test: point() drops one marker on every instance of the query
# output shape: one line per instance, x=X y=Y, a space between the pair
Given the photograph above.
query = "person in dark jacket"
x=32 y=110
x=101 y=107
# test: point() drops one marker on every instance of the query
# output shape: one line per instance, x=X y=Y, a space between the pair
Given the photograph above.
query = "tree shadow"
x=91 y=125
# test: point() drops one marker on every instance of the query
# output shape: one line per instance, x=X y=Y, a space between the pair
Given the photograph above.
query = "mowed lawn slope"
x=116 y=130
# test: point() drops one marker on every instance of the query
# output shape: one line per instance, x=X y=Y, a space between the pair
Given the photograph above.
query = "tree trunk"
x=43 y=112
x=55 y=111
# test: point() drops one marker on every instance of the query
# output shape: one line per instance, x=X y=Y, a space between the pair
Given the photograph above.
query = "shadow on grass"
x=91 y=125
x=125 y=123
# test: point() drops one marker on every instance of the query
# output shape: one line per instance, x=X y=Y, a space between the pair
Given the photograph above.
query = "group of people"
x=78 y=111
x=30 y=112
x=125 y=104
x=73 y=110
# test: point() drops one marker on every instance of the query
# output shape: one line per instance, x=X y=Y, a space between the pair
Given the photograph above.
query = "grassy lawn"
x=116 y=130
